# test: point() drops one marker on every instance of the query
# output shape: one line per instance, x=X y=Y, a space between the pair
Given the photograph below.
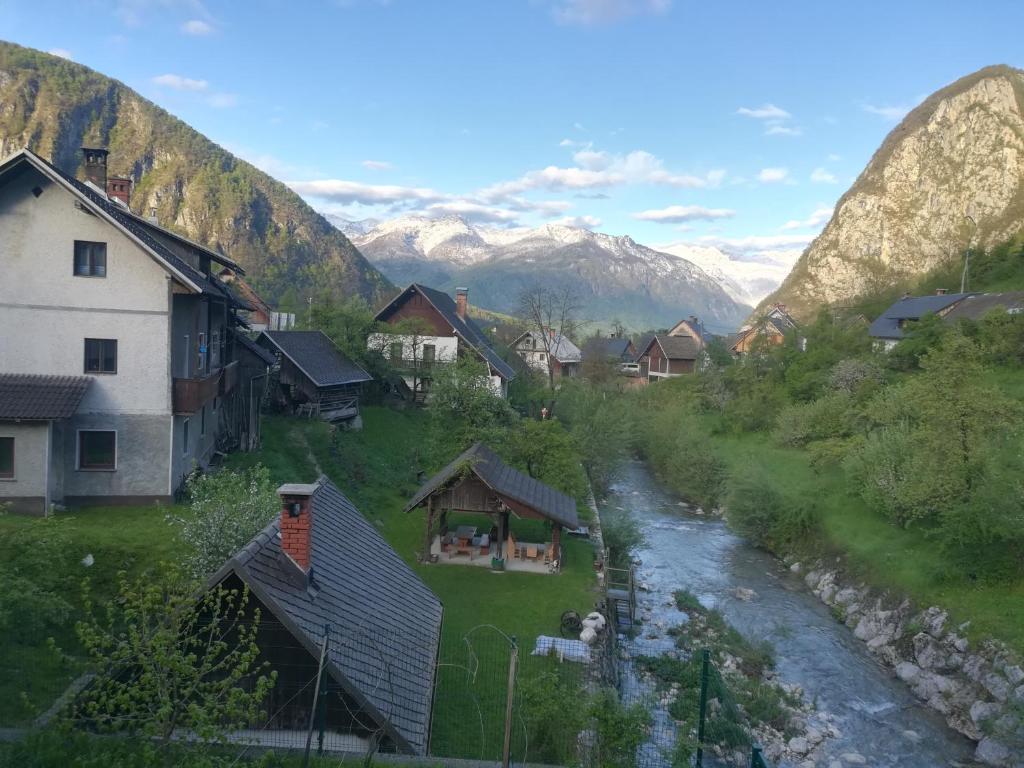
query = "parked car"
x=630 y=369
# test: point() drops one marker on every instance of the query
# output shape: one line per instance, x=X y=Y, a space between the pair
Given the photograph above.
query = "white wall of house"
x=48 y=312
x=27 y=490
x=446 y=348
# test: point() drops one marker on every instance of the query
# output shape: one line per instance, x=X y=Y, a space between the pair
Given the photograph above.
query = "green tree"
x=170 y=663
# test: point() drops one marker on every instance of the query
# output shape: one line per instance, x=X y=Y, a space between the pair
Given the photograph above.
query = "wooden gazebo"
x=479 y=482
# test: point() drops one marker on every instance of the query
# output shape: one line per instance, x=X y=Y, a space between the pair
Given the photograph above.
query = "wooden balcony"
x=191 y=394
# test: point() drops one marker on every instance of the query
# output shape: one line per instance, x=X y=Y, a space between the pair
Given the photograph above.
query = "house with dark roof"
x=328 y=586
x=92 y=289
x=976 y=305
x=432 y=329
x=666 y=357
x=890 y=327
x=692 y=327
x=478 y=483
x=552 y=353
x=614 y=349
x=261 y=316
x=312 y=376
x=770 y=329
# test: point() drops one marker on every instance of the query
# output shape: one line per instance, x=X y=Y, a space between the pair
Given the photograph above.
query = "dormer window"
x=90 y=259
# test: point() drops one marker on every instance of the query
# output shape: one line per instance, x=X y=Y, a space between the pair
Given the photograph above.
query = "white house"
x=437 y=331
x=126 y=329
x=557 y=353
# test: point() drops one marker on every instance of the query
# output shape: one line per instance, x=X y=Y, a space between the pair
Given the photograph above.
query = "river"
x=875 y=713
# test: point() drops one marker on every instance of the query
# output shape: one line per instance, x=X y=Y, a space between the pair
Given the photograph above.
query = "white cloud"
x=893 y=113
x=197 y=28
x=567 y=143
x=343 y=191
x=757 y=243
x=819 y=216
x=764 y=112
x=222 y=100
x=64 y=53
x=179 y=83
x=833 y=158
x=773 y=175
x=581 y=222
x=377 y=165
x=777 y=129
x=823 y=176
x=591 y=12
x=676 y=214
x=472 y=211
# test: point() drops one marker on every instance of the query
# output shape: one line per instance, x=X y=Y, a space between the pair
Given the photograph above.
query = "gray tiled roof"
x=977 y=306
x=562 y=348
x=889 y=325
x=675 y=347
x=467 y=329
x=387 y=622
x=262 y=353
x=30 y=396
x=506 y=481
x=317 y=356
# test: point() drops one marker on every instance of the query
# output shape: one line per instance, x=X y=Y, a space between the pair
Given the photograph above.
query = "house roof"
x=256 y=303
x=675 y=347
x=976 y=306
x=262 y=353
x=386 y=620
x=466 y=328
x=610 y=348
x=43 y=398
x=690 y=326
x=317 y=357
x=150 y=237
x=562 y=348
x=889 y=325
x=505 y=481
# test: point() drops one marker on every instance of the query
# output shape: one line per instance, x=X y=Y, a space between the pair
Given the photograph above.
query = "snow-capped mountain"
x=747 y=272
x=614 y=277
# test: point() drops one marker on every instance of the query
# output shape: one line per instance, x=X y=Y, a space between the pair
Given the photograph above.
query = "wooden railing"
x=191 y=394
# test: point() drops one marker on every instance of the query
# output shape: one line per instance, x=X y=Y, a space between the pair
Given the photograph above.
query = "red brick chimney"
x=95 y=159
x=120 y=187
x=297 y=522
x=461 y=302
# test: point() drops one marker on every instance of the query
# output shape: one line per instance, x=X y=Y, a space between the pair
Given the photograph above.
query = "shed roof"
x=978 y=305
x=610 y=348
x=387 y=619
x=466 y=328
x=44 y=398
x=505 y=481
x=675 y=347
x=264 y=354
x=317 y=357
x=889 y=325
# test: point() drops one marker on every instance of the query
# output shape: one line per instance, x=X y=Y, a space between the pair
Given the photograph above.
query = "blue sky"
x=662 y=119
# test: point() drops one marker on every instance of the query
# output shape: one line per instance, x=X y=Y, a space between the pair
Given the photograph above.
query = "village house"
x=556 y=353
x=614 y=349
x=328 y=585
x=770 y=329
x=260 y=316
x=665 y=357
x=437 y=332
x=478 y=482
x=128 y=333
x=312 y=377
x=891 y=326
x=691 y=327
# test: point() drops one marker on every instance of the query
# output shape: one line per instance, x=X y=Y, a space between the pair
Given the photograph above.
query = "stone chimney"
x=297 y=523
x=120 y=188
x=461 y=302
x=96 y=166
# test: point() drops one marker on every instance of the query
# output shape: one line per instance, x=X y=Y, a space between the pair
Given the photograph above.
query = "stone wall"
x=977 y=686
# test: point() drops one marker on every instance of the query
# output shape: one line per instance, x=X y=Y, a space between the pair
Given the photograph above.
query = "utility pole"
x=967 y=258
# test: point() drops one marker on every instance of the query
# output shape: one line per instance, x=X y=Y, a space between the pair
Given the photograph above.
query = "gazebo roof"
x=505 y=481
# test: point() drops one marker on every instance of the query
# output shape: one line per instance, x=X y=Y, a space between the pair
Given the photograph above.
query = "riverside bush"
x=831 y=416
x=765 y=515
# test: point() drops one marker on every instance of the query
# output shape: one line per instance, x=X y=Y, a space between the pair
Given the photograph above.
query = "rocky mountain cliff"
x=614 y=277
x=960 y=153
x=55 y=106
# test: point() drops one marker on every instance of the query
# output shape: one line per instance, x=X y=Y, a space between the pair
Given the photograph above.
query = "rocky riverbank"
x=977 y=687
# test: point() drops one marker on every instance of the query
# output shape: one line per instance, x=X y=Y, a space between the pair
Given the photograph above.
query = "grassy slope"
x=882 y=554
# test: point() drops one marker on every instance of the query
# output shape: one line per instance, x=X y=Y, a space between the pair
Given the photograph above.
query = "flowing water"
x=876 y=714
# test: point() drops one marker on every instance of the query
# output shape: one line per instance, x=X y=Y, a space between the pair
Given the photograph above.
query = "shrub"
x=855 y=375
x=830 y=416
x=34 y=563
x=620 y=730
x=550 y=708
x=228 y=509
x=622 y=536
x=765 y=515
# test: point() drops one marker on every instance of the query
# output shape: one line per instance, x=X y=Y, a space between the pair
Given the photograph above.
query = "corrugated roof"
x=387 y=621
x=316 y=355
x=34 y=397
x=888 y=325
x=467 y=329
x=505 y=481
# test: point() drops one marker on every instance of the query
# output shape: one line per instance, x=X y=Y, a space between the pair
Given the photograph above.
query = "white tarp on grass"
x=559 y=647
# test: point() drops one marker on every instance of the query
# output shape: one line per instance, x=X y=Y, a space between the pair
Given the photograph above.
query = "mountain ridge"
x=959 y=153
x=615 y=277
x=54 y=106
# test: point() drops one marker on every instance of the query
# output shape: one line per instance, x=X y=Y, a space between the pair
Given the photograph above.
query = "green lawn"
x=884 y=555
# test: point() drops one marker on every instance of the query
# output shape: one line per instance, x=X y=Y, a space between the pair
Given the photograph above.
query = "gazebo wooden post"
x=502 y=532
x=556 y=542
x=430 y=524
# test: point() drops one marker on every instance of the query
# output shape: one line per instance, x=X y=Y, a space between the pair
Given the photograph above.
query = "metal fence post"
x=512 y=661
x=756 y=760
x=703 y=705
x=316 y=695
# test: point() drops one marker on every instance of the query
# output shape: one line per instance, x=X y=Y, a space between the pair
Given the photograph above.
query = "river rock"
x=744 y=594
x=933 y=620
x=834 y=764
x=933 y=654
x=1018 y=695
x=854 y=758
x=997 y=686
x=983 y=710
x=907 y=671
x=992 y=752
x=798 y=745
x=796 y=567
x=873 y=624
x=913 y=736
x=1014 y=674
